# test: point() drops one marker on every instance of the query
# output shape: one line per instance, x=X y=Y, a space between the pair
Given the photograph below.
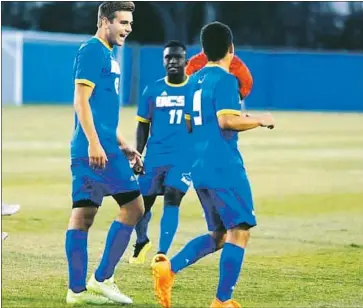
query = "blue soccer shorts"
x=158 y=176
x=94 y=184
x=226 y=208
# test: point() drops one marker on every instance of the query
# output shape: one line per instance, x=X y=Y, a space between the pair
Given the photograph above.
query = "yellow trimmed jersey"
x=162 y=104
x=216 y=157
x=96 y=67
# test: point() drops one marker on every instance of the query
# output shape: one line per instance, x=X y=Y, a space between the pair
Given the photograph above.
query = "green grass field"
x=307 y=251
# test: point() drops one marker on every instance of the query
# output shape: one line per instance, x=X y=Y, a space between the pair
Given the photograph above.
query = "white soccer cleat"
x=86 y=297
x=9 y=209
x=109 y=289
x=4 y=235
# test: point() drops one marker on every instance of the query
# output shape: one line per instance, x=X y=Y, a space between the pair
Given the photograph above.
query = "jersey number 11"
x=175 y=116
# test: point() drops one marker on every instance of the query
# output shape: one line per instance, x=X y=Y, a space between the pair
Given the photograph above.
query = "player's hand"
x=267 y=121
x=97 y=155
x=138 y=165
x=138 y=168
x=135 y=159
x=131 y=153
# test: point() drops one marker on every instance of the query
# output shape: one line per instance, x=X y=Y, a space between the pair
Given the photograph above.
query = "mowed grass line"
x=306 y=252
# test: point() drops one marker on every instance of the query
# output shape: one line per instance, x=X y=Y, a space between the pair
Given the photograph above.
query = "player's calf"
x=143 y=244
x=170 y=219
x=231 y=261
x=82 y=217
x=119 y=234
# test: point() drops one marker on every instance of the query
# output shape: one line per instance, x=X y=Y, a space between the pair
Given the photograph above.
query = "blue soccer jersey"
x=95 y=66
x=167 y=161
x=215 y=150
x=218 y=172
x=163 y=105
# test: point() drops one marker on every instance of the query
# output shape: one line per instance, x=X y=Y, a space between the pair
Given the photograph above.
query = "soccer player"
x=99 y=160
x=219 y=176
x=167 y=168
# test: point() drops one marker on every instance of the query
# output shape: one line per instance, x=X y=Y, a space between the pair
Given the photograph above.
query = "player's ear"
x=231 y=49
x=104 y=22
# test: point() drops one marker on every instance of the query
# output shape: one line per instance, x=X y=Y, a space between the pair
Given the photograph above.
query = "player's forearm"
x=142 y=134
x=84 y=114
x=238 y=123
x=122 y=142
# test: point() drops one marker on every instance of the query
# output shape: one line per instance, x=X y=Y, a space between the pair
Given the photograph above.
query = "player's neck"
x=176 y=79
x=222 y=63
x=101 y=34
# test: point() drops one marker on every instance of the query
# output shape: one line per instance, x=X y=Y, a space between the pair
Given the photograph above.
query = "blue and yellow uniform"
x=167 y=161
x=219 y=176
x=96 y=67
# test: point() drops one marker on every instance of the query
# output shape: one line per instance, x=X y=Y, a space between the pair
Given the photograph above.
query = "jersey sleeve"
x=188 y=108
x=144 y=110
x=88 y=66
x=227 y=96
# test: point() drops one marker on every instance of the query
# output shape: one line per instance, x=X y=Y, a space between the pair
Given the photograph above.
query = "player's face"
x=174 y=60
x=120 y=28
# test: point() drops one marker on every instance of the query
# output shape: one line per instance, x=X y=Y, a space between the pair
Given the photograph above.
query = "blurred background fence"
x=318 y=66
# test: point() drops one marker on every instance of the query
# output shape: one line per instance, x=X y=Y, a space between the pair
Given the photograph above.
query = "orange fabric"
x=238 y=68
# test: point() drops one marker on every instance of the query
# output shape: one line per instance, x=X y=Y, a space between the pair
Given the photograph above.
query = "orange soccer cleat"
x=227 y=304
x=163 y=279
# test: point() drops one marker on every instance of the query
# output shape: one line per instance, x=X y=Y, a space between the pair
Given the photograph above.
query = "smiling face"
x=174 y=60
x=118 y=28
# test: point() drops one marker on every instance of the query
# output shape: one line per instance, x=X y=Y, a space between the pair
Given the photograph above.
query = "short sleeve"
x=144 y=110
x=227 y=96
x=88 y=66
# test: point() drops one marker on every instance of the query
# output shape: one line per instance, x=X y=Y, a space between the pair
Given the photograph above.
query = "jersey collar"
x=176 y=85
x=104 y=43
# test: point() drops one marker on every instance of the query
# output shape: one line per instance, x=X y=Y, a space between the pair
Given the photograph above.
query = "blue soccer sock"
x=141 y=228
x=76 y=250
x=229 y=270
x=117 y=240
x=193 y=251
x=168 y=226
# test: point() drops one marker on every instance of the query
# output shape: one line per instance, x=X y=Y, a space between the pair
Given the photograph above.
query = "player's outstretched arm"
x=242 y=123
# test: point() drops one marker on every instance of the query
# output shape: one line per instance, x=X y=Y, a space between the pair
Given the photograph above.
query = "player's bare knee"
x=239 y=235
x=131 y=212
x=173 y=196
x=82 y=218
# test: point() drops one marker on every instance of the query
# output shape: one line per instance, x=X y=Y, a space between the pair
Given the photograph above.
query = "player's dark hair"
x=216 y=39
x=175 y=44
x=108 y=9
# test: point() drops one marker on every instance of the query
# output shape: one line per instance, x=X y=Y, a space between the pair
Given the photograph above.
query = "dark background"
x=302 y=25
